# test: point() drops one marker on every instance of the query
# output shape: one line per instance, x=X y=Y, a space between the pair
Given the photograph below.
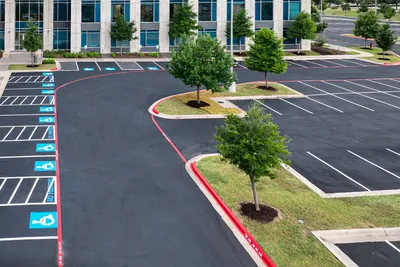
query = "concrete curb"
x=244 y=237
x=4 y=82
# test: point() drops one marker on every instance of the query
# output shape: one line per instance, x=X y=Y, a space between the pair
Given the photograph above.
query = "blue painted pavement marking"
x=45 y=166
x=46 y=109
x=88 y=69
x=43 y=220
x=47 y=92
x=50 y=133
x=51 y=99
x=109 y=68
x=48 y=147
x=46 y=119
x=47 y=84
x=50 y=188
x=152 y=68
x=47 y=73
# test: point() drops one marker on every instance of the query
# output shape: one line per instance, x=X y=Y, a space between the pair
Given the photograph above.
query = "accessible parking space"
x=150 y=65
x=108 y=66
x=69 y=66
x=89 y=66
x=128 y=65
x=30 y=79
x=25 y=100
x=372 y=254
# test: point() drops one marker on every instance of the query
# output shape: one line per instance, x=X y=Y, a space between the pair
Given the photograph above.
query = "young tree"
x=345 y=7
x=389 y=13
x=366 y=26
x=363 y=7
x=123 y=30
x=315 y=14
x=303 y=27
x=254 y=145
x=32 y=40
x=266 y=54
x=321 y=27
x=385 y=38
x=183 y=23
x=242 y=27
x=202 y=61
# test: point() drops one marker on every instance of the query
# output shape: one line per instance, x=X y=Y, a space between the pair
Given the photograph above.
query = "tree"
x=363 y=7
x=385 y=38
x=334 y=8
x=242 y=27
x=389 y=13
x=366 y=26
x=303 y=27
x=266 y=54
x=315 y=14
x=123 y=30
x=254 y=145
x=345 y=7
x=32 y=39
x=321 y=27
x=202 y=61
x=183 y=23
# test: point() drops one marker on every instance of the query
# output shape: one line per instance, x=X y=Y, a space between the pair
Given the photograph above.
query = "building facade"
x=74 y=25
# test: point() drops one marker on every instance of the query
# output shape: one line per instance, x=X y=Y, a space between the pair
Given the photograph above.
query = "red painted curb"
x=54 y=69
x=155 y=108
x=252 y=241
x=392 y=64
x=356 y=37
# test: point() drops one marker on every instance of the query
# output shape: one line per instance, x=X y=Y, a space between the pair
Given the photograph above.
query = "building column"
x=9 y=26
x=195 y=7
x=306 y=6
x=163 y=27
x=134 y=45
x=48 y=10
x=105 y=26
x=76 y=20
x=221 y=21
x=250 y=6
x=278 y=17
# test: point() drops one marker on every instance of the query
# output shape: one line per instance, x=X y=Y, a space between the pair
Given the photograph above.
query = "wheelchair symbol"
x=45 y=221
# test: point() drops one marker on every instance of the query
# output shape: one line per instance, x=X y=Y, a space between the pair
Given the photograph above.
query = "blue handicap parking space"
x=108 y=69
x=46 y=147
x=50 y=188
x=47 y=84
x=46 y=119
x=46 y=109
x=45 y=166
x=47 y=92
x=47 y=73
x=43 y=220
x=88 y=69
x=108 y=66
x=151 y=68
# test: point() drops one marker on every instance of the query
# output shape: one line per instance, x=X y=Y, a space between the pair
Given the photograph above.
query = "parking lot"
x=110 y=66
x=28 y=171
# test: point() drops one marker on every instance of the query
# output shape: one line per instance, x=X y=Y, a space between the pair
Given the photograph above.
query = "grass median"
x=378 y=56
x=28 y=67
x=288 y=243
x=178 y=105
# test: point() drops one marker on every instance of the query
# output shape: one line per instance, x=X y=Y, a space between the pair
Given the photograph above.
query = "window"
x=28 y=10
x=287 y=40
x=211 y=32
x=2 y=11
x=207 y=10
x=264 y=9
x=90 y=38
x=235 y=41
x=148 y=38
x=61 y=39
x=90 y=11
x=2 y=40
x=149 y=11
x=62 y=10
x=114 y=43
x=120 y=8
x=174 y=4
x=291 y=9
x=237 y=5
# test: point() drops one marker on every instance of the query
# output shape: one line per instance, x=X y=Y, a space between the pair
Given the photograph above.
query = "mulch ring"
x=194 y=104
x=265 y=215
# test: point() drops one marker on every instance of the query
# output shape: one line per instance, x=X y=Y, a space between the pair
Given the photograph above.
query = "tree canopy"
x=303 y=27
x=366 y=26
x=183 y=23
x=32 y=39
x=242 y=26
x=123 y=30
x=385 y=38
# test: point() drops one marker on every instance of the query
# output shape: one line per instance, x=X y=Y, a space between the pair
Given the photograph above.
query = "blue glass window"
x=211 y=32
x=264 y=10
x=207 y=10
x=237 y=5
x=291 y=9
x=235 y=41
x=120 y=8
x=287 y=40
x=174 y=4
x=149 y=11
x=90 y=38
x=2 y=40
x=149 y=38
x=2 y=11
x=91 y=11
x=61 y=39
x=114 y=43
x=62 y=10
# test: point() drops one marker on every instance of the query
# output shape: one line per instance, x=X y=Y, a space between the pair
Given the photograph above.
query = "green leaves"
x=303 y=27
x=366 y=25
x=202 y=61
x=242 y=25
x=266 y=53
x=183 y=22
x=32 y=40
x=385 y=38
x=123 y=30
x=253 y=143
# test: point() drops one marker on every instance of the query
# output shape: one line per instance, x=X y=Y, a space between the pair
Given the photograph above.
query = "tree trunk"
x=266 y=80
x=198 y=95
x=253 y=187
x=298 y=48
x=365 y=43
x=120 y=47
x=174 y=42
x=240 y=45
x=33 y=61
x=383 y=54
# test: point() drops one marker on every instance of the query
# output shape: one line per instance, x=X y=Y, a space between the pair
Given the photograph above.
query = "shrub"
x=113 y=54
x=48 y=61
x=141 y=54
x=320 y=40
x=154 y=54
x=92 y=54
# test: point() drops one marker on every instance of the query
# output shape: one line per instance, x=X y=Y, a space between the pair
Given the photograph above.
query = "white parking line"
x=335 y=63
x=306 y=110
x=19 y=79
x=138 y=65
x=51 y=79
x=14 y=100
x=268 y=107
x=48 y=190
x=379 y=167
x=44 y=135
x=158 y=65
x=2 y=184
x=15 y=191
x=29 y=114
x=31 y=191
x=394 y=152
x=376 y=90
x=348 y=61
x=333 y=168
x=391 y=86
x=4 y=100
x=77 y=66
x=393 y=246
x=45 y=77
x=43 y=100
x=28 y=79
x=27 y=238
x=33 y=100
x=118 y=65
x=242 y=66
x=312 y=62
x=291 y=62
x=36 y=79
x=11 y=78
x=8 y=133
x=324 y=104
x=27 y=156
x=34 y=130
x=23 y=100
x=97 y=65
x=23 y=129
x=344 y=99
x=377 y=100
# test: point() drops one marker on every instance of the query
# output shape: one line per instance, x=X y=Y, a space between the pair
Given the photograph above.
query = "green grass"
x=377 y=52
x=25 y=67
x=304 y=53
x=177 y=105
x=290 y=244
x=353 y=13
